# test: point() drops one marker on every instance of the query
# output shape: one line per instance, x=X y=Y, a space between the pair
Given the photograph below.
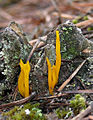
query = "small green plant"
x=85 y=18
x=26 y=112
x=63 y=113
x=90 y=28
x=78 y=104
x=75 y=21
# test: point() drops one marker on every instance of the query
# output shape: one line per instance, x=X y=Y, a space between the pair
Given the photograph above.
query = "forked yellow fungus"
x=23 y=80
x=53 y=71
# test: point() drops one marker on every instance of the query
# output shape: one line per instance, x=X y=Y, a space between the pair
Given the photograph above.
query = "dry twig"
x=67 y=16
x=19 y=102
x=83 y=4
x=85 y=23
x=57 y=9
x=32 y=42
x=51 y=97
x=71 y=76
x=5 y=15
x=32 y=51
x=78 y=91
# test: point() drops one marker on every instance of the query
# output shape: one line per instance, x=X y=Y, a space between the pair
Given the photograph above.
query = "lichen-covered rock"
x=72 y=42
x=90 y=70
x=38 y=74
x=13 y=49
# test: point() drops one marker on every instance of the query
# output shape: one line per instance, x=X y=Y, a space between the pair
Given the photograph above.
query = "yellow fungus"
x=49 y=75
x=23 y=80
x=55 y=80
x=58 y=55
x=53 y=72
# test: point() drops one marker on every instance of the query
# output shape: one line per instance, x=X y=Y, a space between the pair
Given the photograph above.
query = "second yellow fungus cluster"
x=53 y=71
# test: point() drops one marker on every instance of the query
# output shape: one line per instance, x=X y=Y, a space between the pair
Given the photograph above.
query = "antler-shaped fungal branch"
x=53 y=72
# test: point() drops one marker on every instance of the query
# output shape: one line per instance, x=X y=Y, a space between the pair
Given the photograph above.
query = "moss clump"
x=79 y=19
x=90 y=28
x=85 y=18
x=64 y=113
x=78 y=104
x=26 y=112
x=75 y=21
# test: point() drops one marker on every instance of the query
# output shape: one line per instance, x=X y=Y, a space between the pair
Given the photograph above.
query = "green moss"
x=64 y=28
x=19 y=113
x=90 y=28
x=68 y=44
x=85 y=18
x=64 y=113
x=75 y=21
x=70 y=28
x=78 y=104
x=80 y=18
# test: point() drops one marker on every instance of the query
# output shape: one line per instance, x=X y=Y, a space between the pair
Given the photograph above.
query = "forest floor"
x=38 y=18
